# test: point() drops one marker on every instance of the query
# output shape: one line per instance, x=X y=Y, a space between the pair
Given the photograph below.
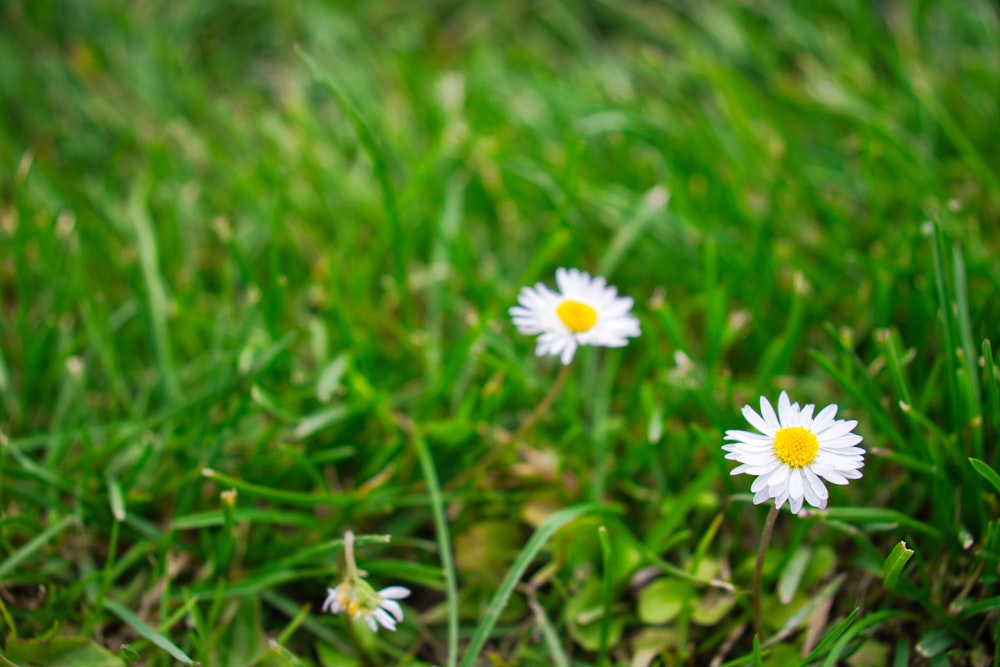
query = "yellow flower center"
x=578 y=317
x=795 y=446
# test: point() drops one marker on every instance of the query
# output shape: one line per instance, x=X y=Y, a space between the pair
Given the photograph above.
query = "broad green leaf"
x=662 y=600
x=585 y=617
x=650 y=643
x=894 y=564
x=59 y=652
x=711 y=606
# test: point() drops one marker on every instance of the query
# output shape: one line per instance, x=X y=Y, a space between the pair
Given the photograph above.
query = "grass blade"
x=156 y=293
x=496 y=606
x=157 y=638
x=606 y=555
x=986 y=472
x=36 y=543
x=443 y=538
x=894 y=564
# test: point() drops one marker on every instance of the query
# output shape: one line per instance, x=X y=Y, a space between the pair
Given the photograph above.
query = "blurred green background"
x=248 y=236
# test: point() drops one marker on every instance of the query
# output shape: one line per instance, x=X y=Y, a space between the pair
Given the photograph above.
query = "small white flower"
x=585 y=311
x=793 y=451
x=358 y=599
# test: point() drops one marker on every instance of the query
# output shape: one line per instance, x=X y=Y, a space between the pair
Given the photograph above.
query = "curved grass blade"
x=157 y=638
x=874 y=515
x=850 y=633
x=986 y=472
x=444 y=539
x=25 y=552
x=496 y=606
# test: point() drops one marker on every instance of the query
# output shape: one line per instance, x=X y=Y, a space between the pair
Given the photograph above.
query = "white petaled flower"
x=359 y=599
x=585 y=311
x=793 y=451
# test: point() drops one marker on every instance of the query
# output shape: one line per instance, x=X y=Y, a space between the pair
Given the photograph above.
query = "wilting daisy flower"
x=585 y=311
x=358 y=599
x=793 y=451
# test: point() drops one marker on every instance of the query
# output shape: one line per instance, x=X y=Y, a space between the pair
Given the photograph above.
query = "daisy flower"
x=793 y=451
x=358 y=599
x=585 y=311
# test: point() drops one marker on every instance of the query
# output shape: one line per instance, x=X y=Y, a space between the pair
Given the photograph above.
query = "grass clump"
x=257 y=262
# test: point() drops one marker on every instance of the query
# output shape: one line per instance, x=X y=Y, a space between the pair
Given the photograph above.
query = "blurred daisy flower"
x=358 y=599
x=793 y=451
x=585 y=311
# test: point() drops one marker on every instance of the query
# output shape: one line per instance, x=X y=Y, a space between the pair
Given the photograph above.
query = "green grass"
x=270 y=248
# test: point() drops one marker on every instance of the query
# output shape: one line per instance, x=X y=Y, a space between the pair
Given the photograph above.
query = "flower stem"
x=352 y=567
x=544 y=405
x=758 y=570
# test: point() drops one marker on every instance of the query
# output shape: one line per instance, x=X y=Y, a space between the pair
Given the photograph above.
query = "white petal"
x=567 y=354
x=767 y=412
x=393 y=608
x=795 y=484
x=848 y=440
x=824 y=418
x=785 y=413
x=814 y=490
x=752 y=469
x=752 y=457
x=384 y=619
x=749 y=437
x=779 y=478
x=806 y=416
x=829 y=474
x=330 y=604
x=757 y=421
x=394 y=593
x=818 y=488
x=794 y=504
x=837 y=429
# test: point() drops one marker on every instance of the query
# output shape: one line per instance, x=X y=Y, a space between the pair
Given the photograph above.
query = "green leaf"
x=935 y=642
x=59 y=652
x=711 y=606
x=585 y=616
x=791 y=575
x=662 y=600
x=987 y=472
x=894 y=564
